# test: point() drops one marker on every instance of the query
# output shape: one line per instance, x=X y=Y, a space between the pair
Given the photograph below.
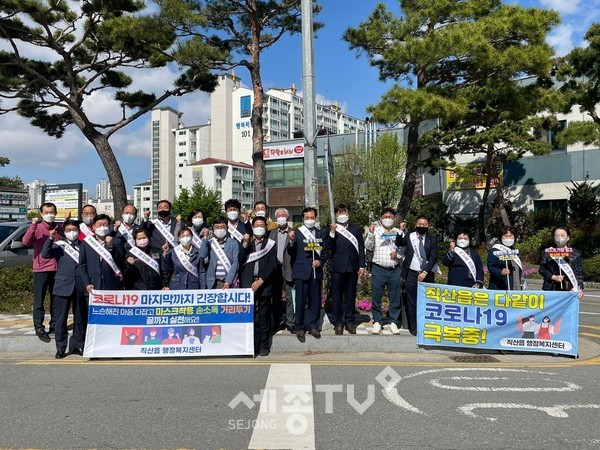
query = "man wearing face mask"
x=86 y=227
x=260 y=210
x=463 y=262
x=235 y=227
x=283 y=283
x=385 y=270
x=142 y=268
x=44 y=269
x=420 y=264
x=67 y=289
x=223 y=253
x=347 y=263
x=258 y=263
x=126 y=228
x=165 y=228
x=307 y=271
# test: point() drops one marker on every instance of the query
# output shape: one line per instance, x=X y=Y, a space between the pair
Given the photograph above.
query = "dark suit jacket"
x=94 y=271
x=267 y=265
x=458 y=271
x=342 y=253
x=287 y=260
x=65 y=279
x=121 y=240
x=302 y=260
x=140 y=276
x=549 y=267
x=431 y=253
x=156 y=238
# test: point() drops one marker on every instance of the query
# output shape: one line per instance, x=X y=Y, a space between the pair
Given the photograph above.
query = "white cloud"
x=563 y=7
x=134 y=143
x=195 y=108
x=561 y=38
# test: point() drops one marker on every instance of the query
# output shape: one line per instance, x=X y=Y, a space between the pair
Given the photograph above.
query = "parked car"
x=12 y=251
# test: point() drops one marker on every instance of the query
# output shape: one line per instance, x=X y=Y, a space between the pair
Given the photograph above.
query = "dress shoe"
x=264 y=352
x=300 y=335
x=315 y=333
x=413 y=332
x=291 y=329
x=60 y=355
x=339 y=330
x=350 y=328
x=41 y=333
x=77 y=351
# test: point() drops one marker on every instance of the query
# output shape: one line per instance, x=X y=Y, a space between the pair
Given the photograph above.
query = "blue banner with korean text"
x=531 y=321
x=170 y=323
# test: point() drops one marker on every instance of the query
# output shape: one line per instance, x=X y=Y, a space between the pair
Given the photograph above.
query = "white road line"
x=593 y=314
x=558 y=411
x=286 y=418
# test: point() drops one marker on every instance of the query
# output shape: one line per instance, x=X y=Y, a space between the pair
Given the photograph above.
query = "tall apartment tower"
x=164 y=121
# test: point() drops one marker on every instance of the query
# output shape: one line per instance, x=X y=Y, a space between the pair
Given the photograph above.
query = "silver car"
x=12 y=251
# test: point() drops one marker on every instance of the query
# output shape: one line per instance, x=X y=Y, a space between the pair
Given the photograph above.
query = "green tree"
x=94 y=46
x=200 y=197
x=581 y=75
x=248 y=28
x=10 y=182
x=434 y=51
x=4 y=161
x=584 y=203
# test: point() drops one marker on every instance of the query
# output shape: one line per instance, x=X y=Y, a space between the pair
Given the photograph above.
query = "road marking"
x=559 y=411
x=438 y=383
x=592 y=295
x=582 y=333
x=589 y=326
x=591 y=313
x=288 y=410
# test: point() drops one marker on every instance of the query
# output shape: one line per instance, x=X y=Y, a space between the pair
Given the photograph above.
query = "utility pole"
x=311 y=185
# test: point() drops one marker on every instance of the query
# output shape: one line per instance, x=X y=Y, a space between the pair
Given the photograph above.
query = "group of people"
x=282 y=265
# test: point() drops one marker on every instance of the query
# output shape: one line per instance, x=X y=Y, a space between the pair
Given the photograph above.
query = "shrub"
x=531 y=248
x=17 y=290
x=591 y=268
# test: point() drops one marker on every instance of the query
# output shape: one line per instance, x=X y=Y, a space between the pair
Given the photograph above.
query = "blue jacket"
x=497 y=280
x=232 y=250
x=302 y=260
x=94 y=271
x=65 y=280
x=178 y=275
x=458 y=271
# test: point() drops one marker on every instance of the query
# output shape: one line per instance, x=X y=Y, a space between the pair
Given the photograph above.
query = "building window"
x=181 y=133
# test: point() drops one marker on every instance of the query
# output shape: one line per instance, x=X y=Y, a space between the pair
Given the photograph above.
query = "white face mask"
x=309 y=223
x=128 y=218
x=561 y=242
x=233 y=215
x=220 y=234
x=49 y=218
x=88 y=220
x=462 y=243
x=342 y=218
x=259 y=232
x=142 y=243
x=72 y=235
x=387 y=222
x=260 y=214
x=508 y=242
x=281 y=221
x=185 y=240
x=197 y=221
x=101 y=231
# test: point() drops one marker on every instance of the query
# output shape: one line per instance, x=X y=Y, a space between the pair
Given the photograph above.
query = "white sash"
x=308 y=235
x=127 y=234
x=344 y=232
x=381 y=231
x=85 y=230
x=567 y=269
x=69 y=250
x=221 y=254
x=104 y=254
x=233 y=231
x=145 y=258
x=254 y=256
x=504 y=249
x=415 y=245
x=467 y=260
x=185 y=261
x=197 y=240
x=161 y=227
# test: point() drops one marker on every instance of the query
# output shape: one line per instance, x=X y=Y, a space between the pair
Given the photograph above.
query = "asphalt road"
x=336 y=404
x=589 y=315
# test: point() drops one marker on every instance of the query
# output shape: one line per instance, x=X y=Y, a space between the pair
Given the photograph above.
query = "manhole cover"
x=475 y=359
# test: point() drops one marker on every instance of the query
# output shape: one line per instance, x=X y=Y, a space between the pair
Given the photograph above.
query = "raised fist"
x=292 y=234
x=35 y=220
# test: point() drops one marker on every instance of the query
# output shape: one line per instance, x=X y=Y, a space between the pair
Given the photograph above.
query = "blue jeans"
x=380 y=278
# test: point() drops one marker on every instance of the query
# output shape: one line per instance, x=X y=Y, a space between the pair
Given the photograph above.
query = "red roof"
x=207 y=161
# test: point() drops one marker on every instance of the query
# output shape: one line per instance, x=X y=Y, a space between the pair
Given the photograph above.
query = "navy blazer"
x=343 y=254
x=431 y=252
x=176 y=273
x=94 y=271
x=65 y=280
x=266 y=268
x=458 y=271
x=302 y=260
x=497 y=280
x=232 y=250
x=121 y=240
x=549 y=267
x=156 y=238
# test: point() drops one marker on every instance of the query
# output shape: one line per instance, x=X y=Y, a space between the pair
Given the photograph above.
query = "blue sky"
x=340 y=76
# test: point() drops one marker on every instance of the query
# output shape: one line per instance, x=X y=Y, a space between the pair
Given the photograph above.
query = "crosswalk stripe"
x=286 y=418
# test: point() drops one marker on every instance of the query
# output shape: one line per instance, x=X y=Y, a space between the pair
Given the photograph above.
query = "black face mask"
x=422 y=230
x=162 y=214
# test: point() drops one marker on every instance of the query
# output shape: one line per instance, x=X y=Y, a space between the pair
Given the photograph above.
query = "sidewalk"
x=17 y=336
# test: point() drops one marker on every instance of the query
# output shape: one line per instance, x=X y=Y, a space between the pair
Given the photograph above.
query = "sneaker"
x=376 y=328
x=394 y=328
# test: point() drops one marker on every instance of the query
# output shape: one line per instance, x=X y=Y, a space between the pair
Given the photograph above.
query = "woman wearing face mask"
x=143 y=265
x=463 y=262
x=196 y=222
x=505 y=275
x=561 y=266
x=182 y=264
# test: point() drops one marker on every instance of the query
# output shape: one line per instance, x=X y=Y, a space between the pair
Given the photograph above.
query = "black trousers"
x=277 y=304
x=411 y=285
x=43 y=282
x=343 y=297
x=61 y=313
x=80 y=319
x=262 y=323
